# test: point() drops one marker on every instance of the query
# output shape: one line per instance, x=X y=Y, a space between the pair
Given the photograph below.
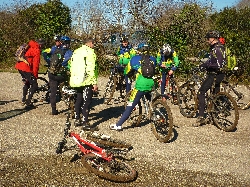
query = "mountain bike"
x=221 y=108
x=116 y=82
x=100 y=154
x=156 y=110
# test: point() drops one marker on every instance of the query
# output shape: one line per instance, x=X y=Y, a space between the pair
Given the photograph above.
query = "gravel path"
x=203 y=156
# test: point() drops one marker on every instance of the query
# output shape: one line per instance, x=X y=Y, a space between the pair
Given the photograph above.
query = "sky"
x=217 y=4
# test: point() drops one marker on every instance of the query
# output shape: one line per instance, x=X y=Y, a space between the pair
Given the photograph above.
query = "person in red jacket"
x=29 y=72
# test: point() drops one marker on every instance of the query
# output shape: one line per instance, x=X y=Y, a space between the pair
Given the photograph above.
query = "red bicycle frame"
x=93 y=147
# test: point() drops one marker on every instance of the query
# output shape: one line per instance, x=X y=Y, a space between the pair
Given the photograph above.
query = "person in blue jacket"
x=46 y=53
x=56 y=79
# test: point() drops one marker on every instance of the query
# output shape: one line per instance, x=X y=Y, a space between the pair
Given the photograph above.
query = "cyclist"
x=46 y=53
x=143 y=85
x=168 y=61
x=84 y=85
x=29 y=72
x=55 y=79
x=213 y=67
x=125 y=52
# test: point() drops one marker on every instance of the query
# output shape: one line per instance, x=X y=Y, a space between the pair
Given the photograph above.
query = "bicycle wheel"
x=136 y=114
x=224 y=111
x=110 y=89
x=113 y=170
x=42 y=92
x=107 y=140
x=187 y=100
x=161 y=120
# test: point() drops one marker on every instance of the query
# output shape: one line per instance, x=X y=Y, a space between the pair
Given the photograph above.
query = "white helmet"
x=166 y=49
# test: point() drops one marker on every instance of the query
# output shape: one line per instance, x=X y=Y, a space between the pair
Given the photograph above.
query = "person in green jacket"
x=143 y=85
x=83 y=77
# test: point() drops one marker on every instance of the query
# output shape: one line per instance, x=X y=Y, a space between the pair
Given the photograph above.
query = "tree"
x=243 y=4
x=25 y=22
x=235 y=27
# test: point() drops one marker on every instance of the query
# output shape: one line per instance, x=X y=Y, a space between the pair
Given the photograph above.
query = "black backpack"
x=56 y=61
x=147 y=66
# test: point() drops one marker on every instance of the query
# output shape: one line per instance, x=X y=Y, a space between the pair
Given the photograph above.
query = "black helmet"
x=124 y=39
x=41 y=41
x=57 y=38
x=213 y=34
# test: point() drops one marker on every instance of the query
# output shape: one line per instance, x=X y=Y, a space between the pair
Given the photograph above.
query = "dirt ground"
x=203 y=156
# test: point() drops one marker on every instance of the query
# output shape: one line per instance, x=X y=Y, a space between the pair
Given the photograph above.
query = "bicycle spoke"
x=187 y=101
x=113 y=170
x=225 y=112
x=162 y=121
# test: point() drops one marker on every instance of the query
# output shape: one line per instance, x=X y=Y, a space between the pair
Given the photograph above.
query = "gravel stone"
x=203 y=156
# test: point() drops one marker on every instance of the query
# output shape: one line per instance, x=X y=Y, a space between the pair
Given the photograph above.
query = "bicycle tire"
x=161 y=120
x=114 y=170
x=136 y=114
x=224 y=112
x=173 y=90
x=110 y=89
x=187 y=100
x=42 y=92
x=107 y=141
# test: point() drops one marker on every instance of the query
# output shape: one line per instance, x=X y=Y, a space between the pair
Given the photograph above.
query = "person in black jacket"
x=213 y=66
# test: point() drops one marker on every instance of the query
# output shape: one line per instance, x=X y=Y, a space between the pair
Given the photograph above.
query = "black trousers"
x=83 y=101
x=30 y=84
x=206 y=85
x=54 y=81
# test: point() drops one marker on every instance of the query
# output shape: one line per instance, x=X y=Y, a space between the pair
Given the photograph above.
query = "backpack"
x=222 y=50
x=230 y=59
x=147 y=66
x=56 y=61
x=20 y=53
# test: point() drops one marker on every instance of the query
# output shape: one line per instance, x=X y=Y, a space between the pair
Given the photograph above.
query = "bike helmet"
x=65 y=40
x=166 y=49
x=142 y=47
x=124 y=39
x=213 y=34
x=41 y=41
x=57 y=38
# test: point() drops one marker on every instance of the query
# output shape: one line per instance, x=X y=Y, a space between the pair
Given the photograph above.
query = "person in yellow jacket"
x=83 y=77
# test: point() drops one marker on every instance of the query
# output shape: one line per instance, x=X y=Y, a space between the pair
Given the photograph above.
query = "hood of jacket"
x=33 y=44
